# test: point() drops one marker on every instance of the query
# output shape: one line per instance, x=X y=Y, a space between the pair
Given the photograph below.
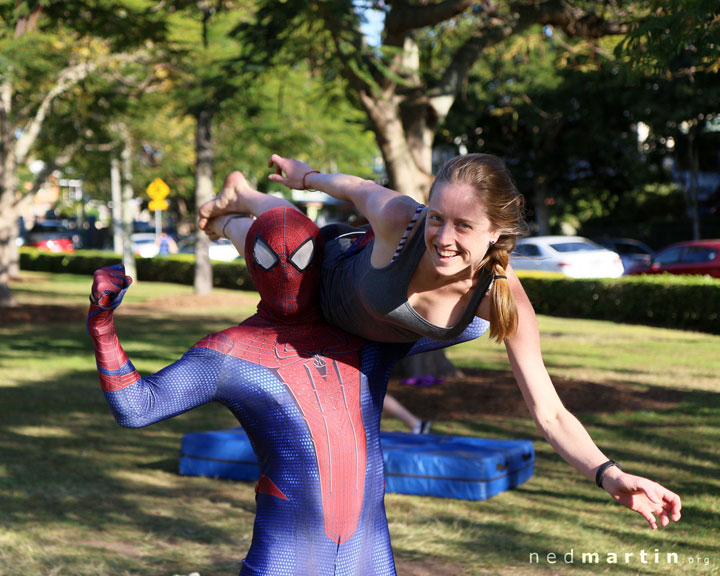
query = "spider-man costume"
x=308 y=395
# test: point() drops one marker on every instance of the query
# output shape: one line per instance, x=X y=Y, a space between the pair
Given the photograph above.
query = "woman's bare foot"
x=235 y=197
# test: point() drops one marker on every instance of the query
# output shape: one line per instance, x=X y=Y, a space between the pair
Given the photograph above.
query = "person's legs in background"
x=394 y=409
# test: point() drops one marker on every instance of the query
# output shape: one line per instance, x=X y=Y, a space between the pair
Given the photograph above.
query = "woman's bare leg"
x=237 y=197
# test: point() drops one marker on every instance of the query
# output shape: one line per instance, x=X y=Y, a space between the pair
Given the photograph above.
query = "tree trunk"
x=8 y=184
x=128 y=195
x=203 y=193
x=14 y=267
x=6 y=295
x=433 y=363
x=117 y=211
x=405 y=137
x=404 y=174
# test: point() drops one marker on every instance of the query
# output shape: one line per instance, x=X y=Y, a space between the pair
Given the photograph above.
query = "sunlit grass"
x=606 y=352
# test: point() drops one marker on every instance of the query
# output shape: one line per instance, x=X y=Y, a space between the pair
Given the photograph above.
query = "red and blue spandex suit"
x=308 y=395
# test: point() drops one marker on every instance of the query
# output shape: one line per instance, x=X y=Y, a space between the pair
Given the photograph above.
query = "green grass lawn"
x=81 y=496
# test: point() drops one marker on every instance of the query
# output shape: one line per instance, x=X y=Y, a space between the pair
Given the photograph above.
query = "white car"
x=143 y=244
x=573 y=256
x=221 y=249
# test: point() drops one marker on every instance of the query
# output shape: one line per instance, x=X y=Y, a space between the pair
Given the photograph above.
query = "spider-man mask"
x=282 y=252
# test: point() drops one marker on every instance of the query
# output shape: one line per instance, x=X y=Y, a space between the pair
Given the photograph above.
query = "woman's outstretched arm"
x=565 y=432
x=386 y=210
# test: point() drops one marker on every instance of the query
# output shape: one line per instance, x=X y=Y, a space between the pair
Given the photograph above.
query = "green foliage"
x=148 y=103
x=122 y=23
x=109 y=45
x=203 y=54
x=293 y=111
x=564 y=117
x=326 y=33
x=675 y=36
x=687 y=302
x=178 y=268
x=648 y=212
x=283 y=31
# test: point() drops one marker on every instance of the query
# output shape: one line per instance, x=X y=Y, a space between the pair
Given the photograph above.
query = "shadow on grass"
x=668 y=435
x=66 y=465
x=508 y=551
x=64 y=454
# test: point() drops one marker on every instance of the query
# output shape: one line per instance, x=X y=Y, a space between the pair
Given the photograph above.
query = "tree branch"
x=27 y=23
x=60 y=161
x=67 y=78
x=404 y=17
x=350 y=49
x=442 y=96
x=573 y=21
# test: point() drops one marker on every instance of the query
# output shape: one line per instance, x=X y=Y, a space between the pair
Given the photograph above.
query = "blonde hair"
x=504 y=206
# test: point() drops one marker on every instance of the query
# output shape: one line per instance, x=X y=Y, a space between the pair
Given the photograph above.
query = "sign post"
x=158 y=191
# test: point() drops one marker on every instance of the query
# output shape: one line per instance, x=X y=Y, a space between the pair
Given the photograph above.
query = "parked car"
x=632 y=252
x=573 y=256
x=52 y=236
x=692 y=257
x=143 y=244
x=221 y=249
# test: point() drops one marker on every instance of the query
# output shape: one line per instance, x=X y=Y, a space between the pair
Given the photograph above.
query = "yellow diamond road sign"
x=157 y=190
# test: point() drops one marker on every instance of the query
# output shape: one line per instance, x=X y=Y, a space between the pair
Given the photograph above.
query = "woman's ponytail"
x=503 y=311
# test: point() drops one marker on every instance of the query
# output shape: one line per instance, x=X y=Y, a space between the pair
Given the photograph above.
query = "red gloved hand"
x=109 y=287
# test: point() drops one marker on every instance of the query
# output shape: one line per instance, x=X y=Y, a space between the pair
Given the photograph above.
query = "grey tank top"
x=372 y=302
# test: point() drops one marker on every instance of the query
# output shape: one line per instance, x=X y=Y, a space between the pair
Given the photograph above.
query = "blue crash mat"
x=455 y=466
x=219 y=454
x=427 y=465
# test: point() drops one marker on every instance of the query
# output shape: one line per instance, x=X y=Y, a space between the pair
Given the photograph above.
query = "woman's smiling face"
x=457 y=230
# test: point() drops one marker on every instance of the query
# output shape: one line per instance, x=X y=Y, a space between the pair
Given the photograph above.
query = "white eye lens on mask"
x=302 y=257
x=263 y=255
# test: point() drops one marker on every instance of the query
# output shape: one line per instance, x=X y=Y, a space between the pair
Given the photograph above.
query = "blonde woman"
x=431 y=271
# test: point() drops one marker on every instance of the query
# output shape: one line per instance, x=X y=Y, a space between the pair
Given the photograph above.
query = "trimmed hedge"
x=686 y=302
x=176 y=268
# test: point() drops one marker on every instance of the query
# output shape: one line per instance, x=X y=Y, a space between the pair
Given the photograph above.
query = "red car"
x=693 y=257
x=51 y=236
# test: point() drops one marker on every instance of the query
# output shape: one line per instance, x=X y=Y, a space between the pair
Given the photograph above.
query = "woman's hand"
x=294 y=171
x=647 y=498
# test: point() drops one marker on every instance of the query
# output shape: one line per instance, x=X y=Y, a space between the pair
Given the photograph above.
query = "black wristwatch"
x=601 y=471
